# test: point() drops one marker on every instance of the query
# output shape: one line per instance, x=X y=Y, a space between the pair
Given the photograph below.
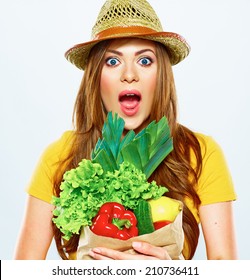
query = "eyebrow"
x=136 y=53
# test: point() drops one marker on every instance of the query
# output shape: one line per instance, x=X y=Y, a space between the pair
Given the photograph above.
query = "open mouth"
x=129 y=101
x=129 y=98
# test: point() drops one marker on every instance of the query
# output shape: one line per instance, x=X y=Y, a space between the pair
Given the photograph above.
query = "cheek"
x=149 y=78
x=152 y=83
x=107 y=91
x=105 y=83
x=151 y=86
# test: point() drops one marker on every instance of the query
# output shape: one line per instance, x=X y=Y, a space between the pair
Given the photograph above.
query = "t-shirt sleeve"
x=215 y=183
x=41 y=183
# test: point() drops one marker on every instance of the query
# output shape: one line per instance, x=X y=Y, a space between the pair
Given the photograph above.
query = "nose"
x=129 y=74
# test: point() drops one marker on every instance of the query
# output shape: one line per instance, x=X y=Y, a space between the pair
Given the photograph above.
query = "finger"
x=98 y=254
x=150 y=250
x=102 y=253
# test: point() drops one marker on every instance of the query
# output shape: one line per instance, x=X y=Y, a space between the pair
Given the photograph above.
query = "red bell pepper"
x=113 y=220
x=160 y=224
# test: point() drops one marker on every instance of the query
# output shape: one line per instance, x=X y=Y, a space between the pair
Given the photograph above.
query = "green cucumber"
x=144 y=217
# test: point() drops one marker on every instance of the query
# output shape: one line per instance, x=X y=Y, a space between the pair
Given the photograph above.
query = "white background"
x=38 y=88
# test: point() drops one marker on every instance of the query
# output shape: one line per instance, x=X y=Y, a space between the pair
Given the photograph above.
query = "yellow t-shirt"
x=215 y=183
x=41 y=184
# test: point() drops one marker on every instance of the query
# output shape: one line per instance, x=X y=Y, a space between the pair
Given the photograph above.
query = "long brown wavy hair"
x=175 y=171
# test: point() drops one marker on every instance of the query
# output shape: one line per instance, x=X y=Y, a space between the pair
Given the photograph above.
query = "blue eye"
x=112 y=61
x=145 y=61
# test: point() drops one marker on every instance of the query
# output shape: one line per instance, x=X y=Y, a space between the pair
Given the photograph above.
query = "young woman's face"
x=128 y=80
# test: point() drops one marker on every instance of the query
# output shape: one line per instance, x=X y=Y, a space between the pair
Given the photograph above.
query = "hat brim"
x=177 y=47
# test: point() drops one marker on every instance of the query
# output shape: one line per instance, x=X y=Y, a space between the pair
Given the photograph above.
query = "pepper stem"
x=121 y=223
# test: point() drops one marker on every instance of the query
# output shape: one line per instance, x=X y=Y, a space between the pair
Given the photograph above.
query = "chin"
x=135 y=124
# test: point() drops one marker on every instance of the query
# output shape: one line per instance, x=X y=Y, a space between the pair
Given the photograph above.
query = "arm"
x=36 y=233
x=218 y=230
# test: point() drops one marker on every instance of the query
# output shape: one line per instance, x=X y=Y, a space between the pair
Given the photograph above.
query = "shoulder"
x=41 y=183
x=206 y=142
x=60 y=147
x=213 y=158
x=210 y=148
x=66 y=138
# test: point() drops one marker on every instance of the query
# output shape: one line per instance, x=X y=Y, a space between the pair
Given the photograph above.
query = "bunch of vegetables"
x=110 y=193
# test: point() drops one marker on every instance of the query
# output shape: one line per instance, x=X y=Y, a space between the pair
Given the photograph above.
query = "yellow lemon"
x=164 y=208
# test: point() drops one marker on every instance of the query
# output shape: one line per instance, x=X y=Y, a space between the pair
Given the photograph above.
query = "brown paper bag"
x=169 y=237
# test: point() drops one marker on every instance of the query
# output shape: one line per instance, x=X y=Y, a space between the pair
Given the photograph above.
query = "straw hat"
x=128 y=18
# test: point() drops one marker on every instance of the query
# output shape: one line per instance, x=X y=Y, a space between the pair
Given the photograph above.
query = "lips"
x=129 y=101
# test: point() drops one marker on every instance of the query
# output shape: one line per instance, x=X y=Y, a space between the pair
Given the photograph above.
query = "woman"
x=128 y=70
